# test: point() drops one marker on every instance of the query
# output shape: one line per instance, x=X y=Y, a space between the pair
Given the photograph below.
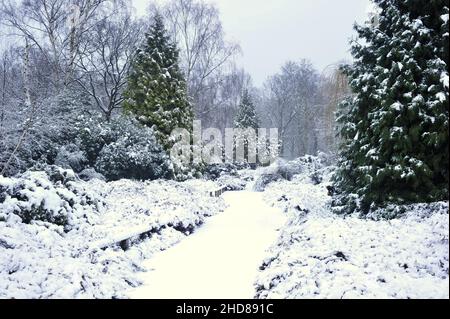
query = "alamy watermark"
x=209 y=146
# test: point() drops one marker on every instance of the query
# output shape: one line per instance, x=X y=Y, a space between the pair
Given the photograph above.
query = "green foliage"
x=156 y=93
x=135 y=154
x=121 y=148
x=78 y=138
x=246 y=116
x=50 y=195
x=395 y=127
x=54 y=126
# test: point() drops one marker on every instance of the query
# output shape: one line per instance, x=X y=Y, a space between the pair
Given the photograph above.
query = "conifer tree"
x=395 y=127
x=156 y=92
x=246 y=116
x=246 y=120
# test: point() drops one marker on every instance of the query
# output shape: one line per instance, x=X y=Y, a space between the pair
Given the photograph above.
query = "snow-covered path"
x=221 y=259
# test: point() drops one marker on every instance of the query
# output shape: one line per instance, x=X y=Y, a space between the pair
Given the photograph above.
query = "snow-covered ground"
x=221 y=260
x=321 y=255
x=41 y=260
x=283 y=242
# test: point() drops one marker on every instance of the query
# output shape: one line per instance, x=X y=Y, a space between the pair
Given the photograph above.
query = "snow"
x=34 y=196
x=284 y=242
x=441 y=96
x=322 y=255
x=397 y=106
x=221 y=260
x=444 y=79
x=43 y=260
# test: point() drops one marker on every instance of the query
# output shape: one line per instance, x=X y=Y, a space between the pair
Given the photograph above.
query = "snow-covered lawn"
x=321 y=255
x=221 y=260
x=40 y=260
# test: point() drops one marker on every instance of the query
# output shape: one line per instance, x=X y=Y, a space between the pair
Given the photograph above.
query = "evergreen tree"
x=246 y=116
x=395 y=127
x=156 y=92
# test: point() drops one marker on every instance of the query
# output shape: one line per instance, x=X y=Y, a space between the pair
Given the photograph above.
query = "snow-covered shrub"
x=327 y=159
x=183 y=166
x=71 y=134
x=305 y=164
x=52 y=196
x=352 y=203
x=71 y=157
x=41 y=261
x=57 y=174
x=401 y=211
x=215 y=171
x=122 y=148
x=94 y=133
x=53 y=137
x=183 y=173
x=135 y=154
x=322 y=255
x=33 y=197
x=89 y=174
x=284 y=170
x=264 y=180
x=316 y=177
x=231 y=182
x=287 y=170
x=53 y=127
x=301 y=165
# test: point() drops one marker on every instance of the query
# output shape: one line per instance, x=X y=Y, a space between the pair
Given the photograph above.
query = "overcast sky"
x=271 y=32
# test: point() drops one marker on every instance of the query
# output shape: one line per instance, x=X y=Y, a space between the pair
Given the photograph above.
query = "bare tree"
x=224 y=92
x=228 y=96
x=106 y=59
x=196 y=27
x=3 y=71
x=11 y=81
x=30 y=106
x=334 y=89
x=54 y=27
x=290 y=101
x=54 y=35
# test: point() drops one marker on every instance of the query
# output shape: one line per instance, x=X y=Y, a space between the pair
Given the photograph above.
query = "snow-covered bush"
x=392 y=211
x=55 y=126
x=123 y=148
x=94 y=133
x=284 y=170
x=184 y=168
x=316 y=177
x=322 y=255
x=52 y=196
x=89 y=174
x=70 y=134
x=305 y=164
x=215 y=171
x=135 y=154
x=40 y=260
x=264 y=180
x=71 y=157
x=232 y=183
x=327 y=159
